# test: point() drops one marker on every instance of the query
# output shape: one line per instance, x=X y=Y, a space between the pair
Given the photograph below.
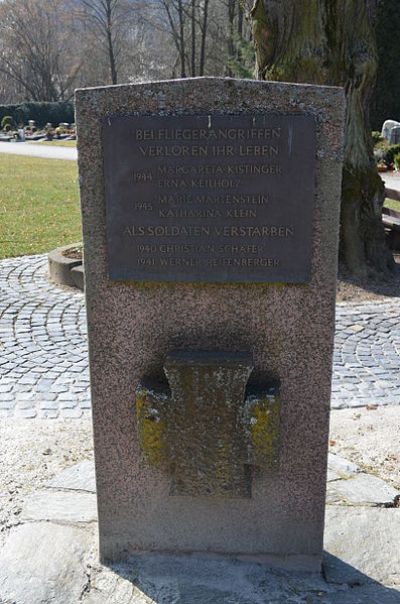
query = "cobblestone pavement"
x=43 y=350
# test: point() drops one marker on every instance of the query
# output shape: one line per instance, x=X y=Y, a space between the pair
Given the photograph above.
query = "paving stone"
x=44 y=564
x=80 y=477
x=74 y=413
x=356 y=328
x=23 y=403
x=341 y=466
x=5 y=396
x=362 y=545
x=64 y=396
x=69 y=404
x=361 y=489
x=25 y=396
x=57 y=388
x=49 y=413
x=48 y=396
x=5 y=388
x=25 y=413
x=54 y=404
x=60 y=506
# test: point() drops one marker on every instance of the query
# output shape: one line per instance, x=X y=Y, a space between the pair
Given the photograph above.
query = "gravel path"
x=43 y=348
x=46 y=151
x=391 y=180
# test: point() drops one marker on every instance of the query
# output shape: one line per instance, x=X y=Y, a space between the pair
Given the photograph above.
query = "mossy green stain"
x=150 y=431
x=264 y=429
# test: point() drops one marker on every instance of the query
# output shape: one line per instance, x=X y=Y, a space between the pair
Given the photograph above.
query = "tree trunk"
x=203 y=38
x=240 y=27
x=110 y=45
x=181 y=39
x=193 y=34
x=231 y=30
x=331 y=42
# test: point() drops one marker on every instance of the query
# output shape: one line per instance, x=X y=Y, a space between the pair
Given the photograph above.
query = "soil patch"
x=353 y=289
x=75 y=253
x=32 y=452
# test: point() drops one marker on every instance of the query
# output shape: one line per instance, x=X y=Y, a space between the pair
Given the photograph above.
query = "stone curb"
x=61 y=267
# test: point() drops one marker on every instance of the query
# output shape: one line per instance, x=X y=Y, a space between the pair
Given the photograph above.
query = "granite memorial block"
x=210 y=214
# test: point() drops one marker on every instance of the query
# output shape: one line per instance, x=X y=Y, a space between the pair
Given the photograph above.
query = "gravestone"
x=210 y=219
x=394 y=137
x=387 y=128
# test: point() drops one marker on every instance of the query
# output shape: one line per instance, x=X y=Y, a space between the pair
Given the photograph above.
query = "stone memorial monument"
x=210 y=219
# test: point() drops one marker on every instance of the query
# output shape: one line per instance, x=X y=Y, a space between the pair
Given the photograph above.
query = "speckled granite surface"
x=288 y=330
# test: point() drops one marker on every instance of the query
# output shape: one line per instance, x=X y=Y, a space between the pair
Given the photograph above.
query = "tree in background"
x=120 y=41
x=386 y=98
x=110 y=21
x=187 y=24
x=209 y=38
x=36 y=49
x=50 y=47
x=332 y=42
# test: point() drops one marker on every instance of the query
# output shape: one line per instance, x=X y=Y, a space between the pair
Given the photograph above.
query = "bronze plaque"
x=217 y=198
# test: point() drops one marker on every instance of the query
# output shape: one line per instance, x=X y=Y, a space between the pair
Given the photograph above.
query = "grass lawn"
x=39 y=207
x=392 y=204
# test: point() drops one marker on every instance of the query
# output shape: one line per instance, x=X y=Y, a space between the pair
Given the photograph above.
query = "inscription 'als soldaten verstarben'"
x=213 y=198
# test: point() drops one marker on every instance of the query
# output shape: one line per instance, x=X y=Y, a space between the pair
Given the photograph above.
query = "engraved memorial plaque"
x=212 y=198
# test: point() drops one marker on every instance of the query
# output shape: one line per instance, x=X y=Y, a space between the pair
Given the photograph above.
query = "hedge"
x=385 y=102
x=42 y=113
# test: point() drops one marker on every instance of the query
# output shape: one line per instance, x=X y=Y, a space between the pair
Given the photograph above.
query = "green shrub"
x=42 y=113
x=396 y=161
x=6 y=122
x=390 y=152
x=376 y=137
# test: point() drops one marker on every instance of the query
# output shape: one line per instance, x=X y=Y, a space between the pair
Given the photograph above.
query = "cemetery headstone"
x=387 y=127
x=394 y=137
x=210 y=214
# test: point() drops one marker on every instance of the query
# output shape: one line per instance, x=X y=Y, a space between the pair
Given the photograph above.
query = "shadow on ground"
x=162 y=579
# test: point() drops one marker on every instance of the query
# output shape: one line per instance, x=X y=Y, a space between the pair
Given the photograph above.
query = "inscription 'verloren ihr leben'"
x=209 y=197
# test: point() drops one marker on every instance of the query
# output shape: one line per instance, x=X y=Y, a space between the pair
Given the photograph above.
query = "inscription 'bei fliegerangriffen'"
x=209 y=231
x=191 y=134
